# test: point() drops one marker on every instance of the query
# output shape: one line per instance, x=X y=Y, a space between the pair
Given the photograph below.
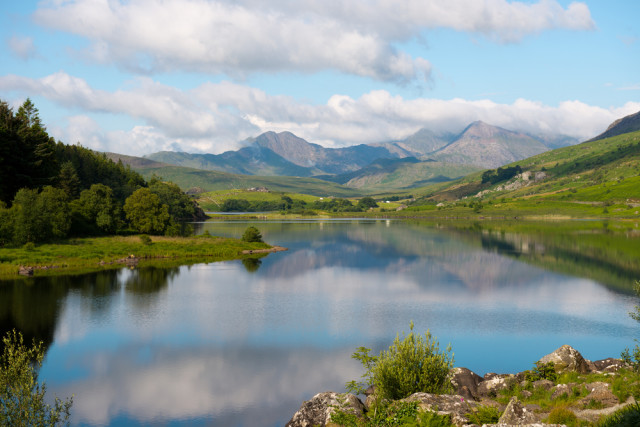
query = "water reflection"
x=244 y=342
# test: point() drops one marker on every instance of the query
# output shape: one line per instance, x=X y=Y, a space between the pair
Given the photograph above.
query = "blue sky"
x=139 y=76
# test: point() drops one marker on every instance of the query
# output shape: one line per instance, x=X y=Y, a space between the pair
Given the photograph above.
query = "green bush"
x=413 y=364
x=484 y=414
x=22 y=397
x=562 y=415
x=392 y=414
x=145 y=240
x=542 y=371
x=252 y=234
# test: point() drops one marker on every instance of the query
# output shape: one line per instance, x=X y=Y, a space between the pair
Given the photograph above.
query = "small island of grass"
x=81 y=255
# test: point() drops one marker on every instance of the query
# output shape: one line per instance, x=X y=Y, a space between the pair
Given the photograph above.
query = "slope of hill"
x=488 y=146
x=599 y=173
x=396 y=174
x=209 y=180
x=630 y=123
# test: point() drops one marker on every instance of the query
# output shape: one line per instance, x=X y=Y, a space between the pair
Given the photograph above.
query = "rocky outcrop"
x=516 y=414
x=493 y=383
x=318 y=410
x=465 y=382
x=568 y=359
x=473 y=390
x=443 y=404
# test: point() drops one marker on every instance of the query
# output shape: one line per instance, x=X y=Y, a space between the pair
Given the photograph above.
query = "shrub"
x=252 y=234
x=413 y=364
x=562 y=415
x=484 y=414
x=21 y=395
x=542 y=371
x=145 y=240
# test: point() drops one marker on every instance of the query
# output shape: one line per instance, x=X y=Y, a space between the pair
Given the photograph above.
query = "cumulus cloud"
x=239 y=37
x=215 y=117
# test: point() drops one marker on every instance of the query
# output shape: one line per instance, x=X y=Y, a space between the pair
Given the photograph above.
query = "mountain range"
x=284 y=154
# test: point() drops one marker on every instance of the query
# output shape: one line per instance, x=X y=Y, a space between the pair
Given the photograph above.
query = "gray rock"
x=491 y=387
x=545 y=384
x=560 y=390
x=599 y=392
x=452 y=404
x=568 y=359
x=609 y=364
x=318 y=410
x=465 y=382
x=516 y=414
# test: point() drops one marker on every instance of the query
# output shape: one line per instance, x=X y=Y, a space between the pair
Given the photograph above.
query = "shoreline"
x=87 y=255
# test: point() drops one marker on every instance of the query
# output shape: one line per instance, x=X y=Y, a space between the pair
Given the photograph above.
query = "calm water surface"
x=243 y=343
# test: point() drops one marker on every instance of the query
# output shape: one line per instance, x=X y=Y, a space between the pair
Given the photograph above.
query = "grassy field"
x=212 y=201
x=90 y=254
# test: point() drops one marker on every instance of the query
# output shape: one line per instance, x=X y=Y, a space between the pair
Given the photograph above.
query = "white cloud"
x=246 y=36
x=22 y=47
x=216 y=117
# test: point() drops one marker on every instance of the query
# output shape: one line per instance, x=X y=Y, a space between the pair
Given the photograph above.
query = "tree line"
x=288 y=205
x=50 y=190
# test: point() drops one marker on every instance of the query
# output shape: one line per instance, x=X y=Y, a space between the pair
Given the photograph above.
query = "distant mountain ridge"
x=483 y=145
x=285 y=154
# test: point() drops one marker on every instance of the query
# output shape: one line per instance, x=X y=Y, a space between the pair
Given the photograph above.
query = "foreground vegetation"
x=94 y=253
x=22 y=396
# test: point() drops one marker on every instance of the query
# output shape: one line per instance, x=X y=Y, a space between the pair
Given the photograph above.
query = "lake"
x=243 y=343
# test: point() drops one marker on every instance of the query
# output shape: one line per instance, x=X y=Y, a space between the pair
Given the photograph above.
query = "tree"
x=68 y=180
x=252 y=234
x=180 y=205
x=367 y=202
x=21 y=395
x=39 y=217
x=146 y=213
x=96 y=210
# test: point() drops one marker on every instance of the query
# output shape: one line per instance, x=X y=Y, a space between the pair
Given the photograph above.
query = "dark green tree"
x=367 y=202
x=68 y=180
x=181 y=207
x=96 y=210
x=252 y=234
x=146 y=213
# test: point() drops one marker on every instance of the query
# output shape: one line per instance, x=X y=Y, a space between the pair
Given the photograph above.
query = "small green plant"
x=392 y=414
x=145 y=239
x=252 y=234
x=22 y=397
x=29 y=246
x=562 y=415
x=484 y=414
x=542 y=371
x=411 y=364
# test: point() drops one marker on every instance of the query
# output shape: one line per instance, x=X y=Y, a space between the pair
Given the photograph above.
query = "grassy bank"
x=91 y=254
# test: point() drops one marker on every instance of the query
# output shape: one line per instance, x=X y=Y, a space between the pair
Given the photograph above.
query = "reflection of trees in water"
x=252 y=264
x=149 y=280
x=33 y=305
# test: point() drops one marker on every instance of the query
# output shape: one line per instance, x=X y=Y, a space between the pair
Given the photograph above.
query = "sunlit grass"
x=102 y=252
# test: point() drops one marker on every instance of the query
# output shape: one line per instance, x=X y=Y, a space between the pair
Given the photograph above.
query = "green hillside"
x=211 y=181
x=594 y=178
